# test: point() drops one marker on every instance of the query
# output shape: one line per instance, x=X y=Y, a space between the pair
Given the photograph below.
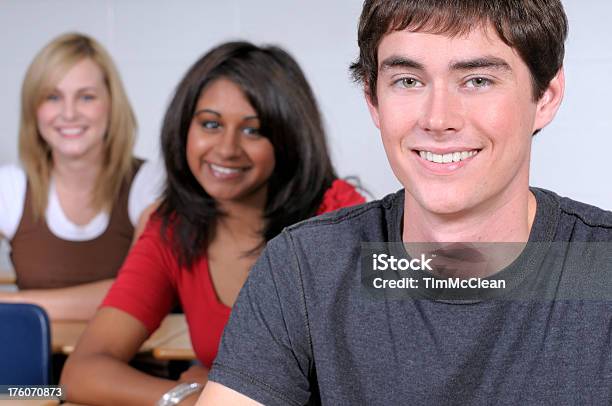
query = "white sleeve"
x=147 y=186
x=12 y=196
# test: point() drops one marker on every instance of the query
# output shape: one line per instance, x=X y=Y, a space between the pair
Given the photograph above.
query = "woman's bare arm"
x=98 y=373
x=74 y=303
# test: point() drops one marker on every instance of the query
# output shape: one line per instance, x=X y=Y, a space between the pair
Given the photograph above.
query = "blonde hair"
x=45 y=71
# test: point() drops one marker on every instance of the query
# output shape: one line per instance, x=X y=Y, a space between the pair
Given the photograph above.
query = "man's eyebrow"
x=487 y=62
x=395 y=61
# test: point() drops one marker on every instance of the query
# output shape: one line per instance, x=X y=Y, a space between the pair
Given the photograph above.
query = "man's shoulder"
x=589 y=215
x=354 y=221
x=573 y=220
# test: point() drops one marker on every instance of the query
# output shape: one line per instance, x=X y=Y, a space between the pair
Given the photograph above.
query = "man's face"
x=456 y=116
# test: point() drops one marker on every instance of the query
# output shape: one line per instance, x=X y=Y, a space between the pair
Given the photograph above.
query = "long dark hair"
x=276 y=87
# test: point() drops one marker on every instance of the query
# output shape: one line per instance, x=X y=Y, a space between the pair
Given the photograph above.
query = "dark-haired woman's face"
x=225 y=150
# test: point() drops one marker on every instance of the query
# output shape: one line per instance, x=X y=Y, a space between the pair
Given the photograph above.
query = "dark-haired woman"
x=245 y=155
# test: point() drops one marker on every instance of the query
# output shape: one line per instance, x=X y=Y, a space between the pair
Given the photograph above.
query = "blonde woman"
x=70 y=211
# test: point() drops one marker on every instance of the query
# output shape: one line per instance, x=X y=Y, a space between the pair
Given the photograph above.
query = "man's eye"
x=408 y=83
x=478 y=82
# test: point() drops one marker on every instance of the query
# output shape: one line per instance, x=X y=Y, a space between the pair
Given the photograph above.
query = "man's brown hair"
x=536 y=29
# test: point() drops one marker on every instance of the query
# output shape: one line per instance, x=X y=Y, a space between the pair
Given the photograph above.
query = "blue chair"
x=25 y=345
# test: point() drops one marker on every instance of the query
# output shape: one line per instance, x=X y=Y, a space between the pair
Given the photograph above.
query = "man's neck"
x=506 y=218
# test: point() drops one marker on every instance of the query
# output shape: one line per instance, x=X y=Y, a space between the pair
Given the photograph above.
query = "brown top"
x=44 y=261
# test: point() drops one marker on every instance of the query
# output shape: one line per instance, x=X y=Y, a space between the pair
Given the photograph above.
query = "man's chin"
x=447 y=209
x=443 y=203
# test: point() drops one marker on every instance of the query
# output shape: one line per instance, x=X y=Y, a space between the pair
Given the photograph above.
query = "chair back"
x=25 y=345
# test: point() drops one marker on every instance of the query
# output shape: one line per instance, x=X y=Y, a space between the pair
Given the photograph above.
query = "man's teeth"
x=224 y=170
x=71 y=131
x=447 y=158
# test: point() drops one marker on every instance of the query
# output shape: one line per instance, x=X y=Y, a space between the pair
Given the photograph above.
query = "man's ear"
x=549 y=103
x=372 y=106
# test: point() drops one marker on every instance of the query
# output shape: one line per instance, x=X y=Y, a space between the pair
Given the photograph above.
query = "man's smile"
x=449 y=157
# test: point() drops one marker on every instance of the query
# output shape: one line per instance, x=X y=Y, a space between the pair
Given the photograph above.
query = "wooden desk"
x=65 y=334
x=177 y=348
x=173 y=326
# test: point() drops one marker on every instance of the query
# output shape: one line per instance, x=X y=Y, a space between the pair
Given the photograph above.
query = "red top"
x=150 y=282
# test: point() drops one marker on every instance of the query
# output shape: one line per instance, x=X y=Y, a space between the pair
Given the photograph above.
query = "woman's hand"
x=195 y=373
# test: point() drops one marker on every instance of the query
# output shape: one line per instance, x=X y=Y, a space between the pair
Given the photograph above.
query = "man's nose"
x=442 y=112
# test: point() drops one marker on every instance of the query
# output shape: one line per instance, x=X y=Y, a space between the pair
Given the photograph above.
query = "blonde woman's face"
x=73 y=118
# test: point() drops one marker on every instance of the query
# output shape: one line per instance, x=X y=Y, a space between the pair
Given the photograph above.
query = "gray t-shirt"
x=303 y=331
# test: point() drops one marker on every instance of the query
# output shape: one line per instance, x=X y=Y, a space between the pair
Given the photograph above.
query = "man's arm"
x=217 y=394
x=74 y=303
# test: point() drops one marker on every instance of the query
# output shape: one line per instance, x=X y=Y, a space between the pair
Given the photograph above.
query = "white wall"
x=154 y=42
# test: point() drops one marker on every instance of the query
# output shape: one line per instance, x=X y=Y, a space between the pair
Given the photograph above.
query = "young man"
x=457 y=89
